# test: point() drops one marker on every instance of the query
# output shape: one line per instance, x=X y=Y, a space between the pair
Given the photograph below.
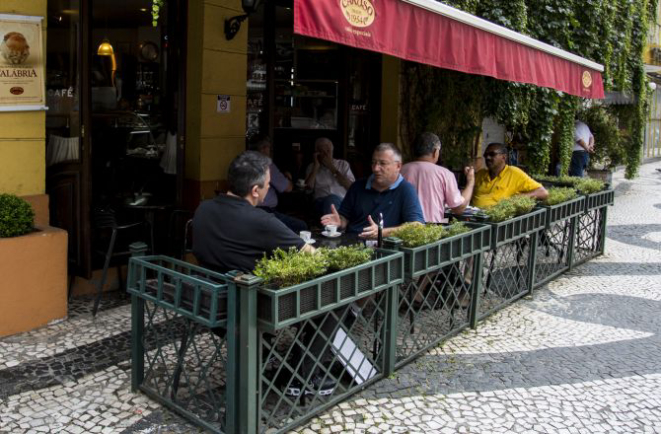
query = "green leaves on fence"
x=509 y=208
x=415 y=234
x=559 y=195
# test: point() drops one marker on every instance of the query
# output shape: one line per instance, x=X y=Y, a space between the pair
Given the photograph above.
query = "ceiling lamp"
x=105 y=49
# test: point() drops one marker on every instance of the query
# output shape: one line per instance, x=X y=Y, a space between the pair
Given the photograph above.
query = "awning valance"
x=432 y=33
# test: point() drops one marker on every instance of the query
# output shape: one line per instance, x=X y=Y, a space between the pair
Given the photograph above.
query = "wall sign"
x=223 y=105
x=22 y=68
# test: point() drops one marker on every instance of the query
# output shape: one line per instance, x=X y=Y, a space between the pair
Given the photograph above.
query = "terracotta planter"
x=33 y=288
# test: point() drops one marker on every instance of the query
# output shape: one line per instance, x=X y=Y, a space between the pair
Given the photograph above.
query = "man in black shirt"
x=230 y=232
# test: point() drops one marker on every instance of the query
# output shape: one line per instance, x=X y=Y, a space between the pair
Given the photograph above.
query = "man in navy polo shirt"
x=384 y=192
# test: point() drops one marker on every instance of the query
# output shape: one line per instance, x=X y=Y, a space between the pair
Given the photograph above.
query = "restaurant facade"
x=146 y=108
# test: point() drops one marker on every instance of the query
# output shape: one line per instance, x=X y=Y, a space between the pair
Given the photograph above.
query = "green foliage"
x=559 y=195
x=581 y=185
x=346 y=256
x=564 y=133
x=156 y=7
x=291 y=267
x=16 y=216
x=509 y=208
x=415 y=234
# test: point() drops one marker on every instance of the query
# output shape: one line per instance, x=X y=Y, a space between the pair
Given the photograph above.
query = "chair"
x=104 y=221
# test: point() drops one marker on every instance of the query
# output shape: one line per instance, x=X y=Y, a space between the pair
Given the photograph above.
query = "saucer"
x=328 y=235
x=311 y=241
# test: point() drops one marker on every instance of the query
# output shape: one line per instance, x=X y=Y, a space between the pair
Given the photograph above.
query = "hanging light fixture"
x=105 y=49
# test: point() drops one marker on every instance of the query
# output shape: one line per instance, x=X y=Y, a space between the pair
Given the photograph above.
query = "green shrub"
x=589 y=185
x=582 y=185
x=16 y=216
x=510 y=208
x=559 y=195
x=291 y=267
x=415 y=234
x=346 y=256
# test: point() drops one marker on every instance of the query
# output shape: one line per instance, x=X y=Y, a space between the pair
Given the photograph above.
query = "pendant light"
x=105 y=49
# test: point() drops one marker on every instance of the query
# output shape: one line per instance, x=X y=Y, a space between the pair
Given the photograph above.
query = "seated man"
x=384 y=192
x=500 y=180
x=329 y=178
x=229 y=231
x=279 y=184
x=436 y=185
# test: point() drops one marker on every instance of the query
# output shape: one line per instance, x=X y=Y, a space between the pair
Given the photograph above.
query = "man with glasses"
x=500 y=180
x=436 y=185
x=385 y=193
x=230 y=232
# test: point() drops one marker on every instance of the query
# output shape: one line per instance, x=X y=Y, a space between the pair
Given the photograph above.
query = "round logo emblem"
x=16 y=90
x=587 y=79
x=359 y=13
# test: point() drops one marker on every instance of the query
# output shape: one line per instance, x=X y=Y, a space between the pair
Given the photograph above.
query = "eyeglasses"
x=381 y=163
x=492 y=154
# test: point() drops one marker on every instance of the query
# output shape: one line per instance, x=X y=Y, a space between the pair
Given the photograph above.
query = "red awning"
x=432 y=33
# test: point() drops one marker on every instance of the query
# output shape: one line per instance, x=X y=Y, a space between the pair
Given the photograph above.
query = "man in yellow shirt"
x=500 y=180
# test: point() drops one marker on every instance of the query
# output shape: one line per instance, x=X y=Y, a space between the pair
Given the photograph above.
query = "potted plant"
x=33 y=265
x=298 y=285
x=562 y=203
x=513 y=218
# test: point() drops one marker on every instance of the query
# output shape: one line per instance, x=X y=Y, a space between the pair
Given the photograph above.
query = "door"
x=67 y=148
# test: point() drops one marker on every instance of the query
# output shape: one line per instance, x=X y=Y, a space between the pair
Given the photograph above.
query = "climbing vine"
x=156 y=7
x=612 y=33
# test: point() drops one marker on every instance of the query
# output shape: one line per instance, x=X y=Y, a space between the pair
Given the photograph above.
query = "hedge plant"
x=415 y=234
x=16 y=216
x=559 y=195
x=509 y=208
x=290 y=267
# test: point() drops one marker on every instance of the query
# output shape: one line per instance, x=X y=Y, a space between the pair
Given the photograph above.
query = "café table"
x=345 y=239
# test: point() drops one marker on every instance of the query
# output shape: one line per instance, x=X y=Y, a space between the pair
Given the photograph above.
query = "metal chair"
x=104 y=220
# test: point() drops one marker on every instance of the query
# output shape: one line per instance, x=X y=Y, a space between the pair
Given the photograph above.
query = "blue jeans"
x=322 y=205
x=579 y=162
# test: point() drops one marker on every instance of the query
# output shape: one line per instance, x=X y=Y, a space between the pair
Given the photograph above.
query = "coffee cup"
x=305 y=235
x=300 y=183
x=331 y=230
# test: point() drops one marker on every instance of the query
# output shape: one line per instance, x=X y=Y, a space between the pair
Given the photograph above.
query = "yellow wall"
x=215 y=67
x=390 y=100
x=22 y=134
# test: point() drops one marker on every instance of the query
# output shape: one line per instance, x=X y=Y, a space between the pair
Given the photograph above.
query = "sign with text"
x=22 y=67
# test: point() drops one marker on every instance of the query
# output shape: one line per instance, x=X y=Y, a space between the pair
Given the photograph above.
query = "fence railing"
x=233 y=355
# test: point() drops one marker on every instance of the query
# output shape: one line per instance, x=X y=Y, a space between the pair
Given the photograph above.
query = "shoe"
x=294 y=388
x=319 y=387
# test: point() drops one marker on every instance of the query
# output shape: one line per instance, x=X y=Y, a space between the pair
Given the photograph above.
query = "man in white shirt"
x=583 y=146
x=328 y=177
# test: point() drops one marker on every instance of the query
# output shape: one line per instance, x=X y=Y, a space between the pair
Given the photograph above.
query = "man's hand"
x=371 y=231
x=469 y=171
x=316 y=160
x=327 y=161
x=332 y=219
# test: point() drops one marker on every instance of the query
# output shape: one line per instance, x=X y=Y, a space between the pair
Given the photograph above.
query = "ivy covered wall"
x=610 y=32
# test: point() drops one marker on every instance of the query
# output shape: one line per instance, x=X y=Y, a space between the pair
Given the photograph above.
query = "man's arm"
x=307 y=248
x=467 y=193
x=539 y=194
x=371 y=232
x=583 y=144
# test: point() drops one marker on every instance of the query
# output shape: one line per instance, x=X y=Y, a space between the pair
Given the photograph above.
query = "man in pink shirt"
x=436 y=185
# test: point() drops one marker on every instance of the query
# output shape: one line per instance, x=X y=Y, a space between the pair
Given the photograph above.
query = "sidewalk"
x=583 y=356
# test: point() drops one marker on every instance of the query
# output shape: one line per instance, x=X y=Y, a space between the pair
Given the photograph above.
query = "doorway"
x=115 y=127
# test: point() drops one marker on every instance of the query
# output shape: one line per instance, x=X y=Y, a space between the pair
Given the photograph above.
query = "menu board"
x=21 y=63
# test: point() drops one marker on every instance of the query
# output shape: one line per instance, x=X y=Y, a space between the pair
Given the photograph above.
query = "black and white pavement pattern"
x=582 y=356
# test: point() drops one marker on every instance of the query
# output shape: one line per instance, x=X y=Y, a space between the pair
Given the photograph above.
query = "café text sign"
x=21 y=63
x=359 y=13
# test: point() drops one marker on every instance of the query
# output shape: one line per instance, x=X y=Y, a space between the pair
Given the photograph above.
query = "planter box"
x=423 y=259
x=190 y=291
x=34 y=280
x=278 y=308
x=563 y=211
x=512 y=229
x=598 y=200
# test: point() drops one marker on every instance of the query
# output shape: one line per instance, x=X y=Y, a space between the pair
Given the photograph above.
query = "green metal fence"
x=508 y=268
x=232 y=355
x=436 y=298
x=555 y=241
x=180 y=343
